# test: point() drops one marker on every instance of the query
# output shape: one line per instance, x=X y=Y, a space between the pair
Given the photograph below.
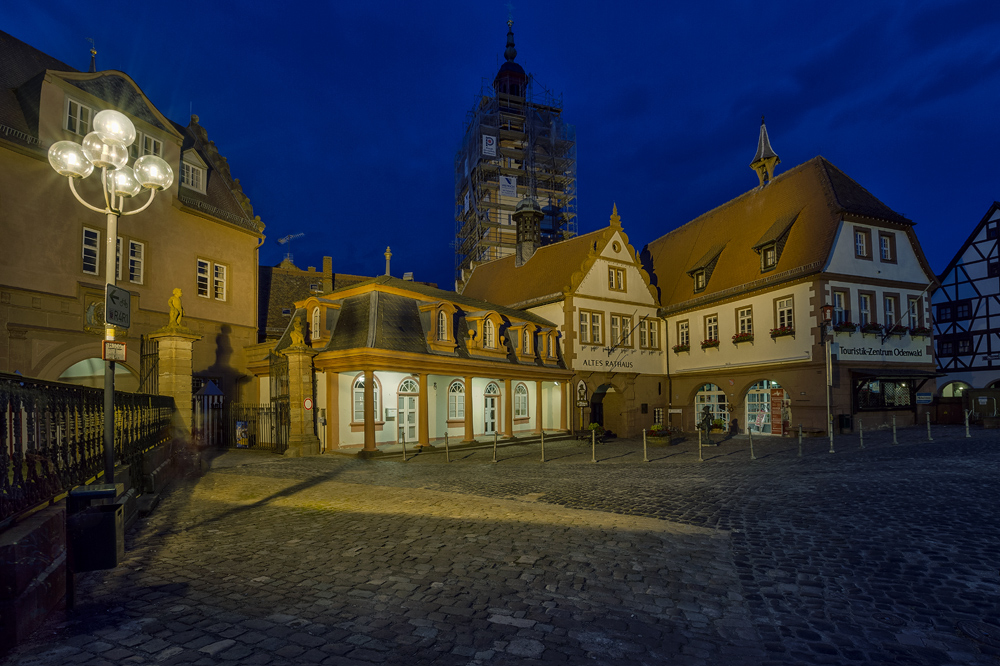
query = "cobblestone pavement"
x=887 y=555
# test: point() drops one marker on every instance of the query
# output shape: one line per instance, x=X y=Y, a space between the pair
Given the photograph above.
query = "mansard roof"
x=802 y=205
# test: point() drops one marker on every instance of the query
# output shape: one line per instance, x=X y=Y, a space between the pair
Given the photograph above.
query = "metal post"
x=894 y=442
x=701 y=458
x=404 y=446
x=861 y=433
x=593 y=446
x=752 y=456
x=831 y=433
x=645 y=456
x=929 y=438
x=110 y=273
x=800 y=440
x=494 y=446
x=967 y=424
x=543 y=446
x=447 y=452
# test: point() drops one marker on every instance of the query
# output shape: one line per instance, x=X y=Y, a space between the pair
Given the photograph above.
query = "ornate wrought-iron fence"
x=264 y=427
x=52 y=438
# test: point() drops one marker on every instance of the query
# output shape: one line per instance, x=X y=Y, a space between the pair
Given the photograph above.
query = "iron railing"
x=52 y=436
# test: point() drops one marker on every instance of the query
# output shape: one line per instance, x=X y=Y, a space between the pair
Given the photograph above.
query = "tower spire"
x=93 y=55
x=510 y=52
x=766 y=159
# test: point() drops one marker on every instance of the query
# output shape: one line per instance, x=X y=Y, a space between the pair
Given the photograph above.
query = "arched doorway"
x=491 y=400
x=712 y=398
x=956 y=389
x=767 y=410
x=90 y=372
x=606 y=408
x=406 y=415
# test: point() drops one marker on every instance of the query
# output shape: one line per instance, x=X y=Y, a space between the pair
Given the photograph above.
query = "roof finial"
x=93 y=55
x=388 y=255
x=615 y=220
x=766 y=159
x=510 y=52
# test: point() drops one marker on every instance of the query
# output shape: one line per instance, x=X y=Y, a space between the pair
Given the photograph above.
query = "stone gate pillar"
x=174 y=345
x=302 y=439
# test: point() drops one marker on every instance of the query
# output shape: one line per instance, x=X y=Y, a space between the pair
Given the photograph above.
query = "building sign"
x=489 y=146
x=596 y=359
x=896 y=349
x=777 y=411
x=581 y=394
x=925 y=398
x=508 y=186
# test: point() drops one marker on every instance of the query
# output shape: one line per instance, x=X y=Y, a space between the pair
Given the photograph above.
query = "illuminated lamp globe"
x=114 y=128
x=104 y=154
x=153 y=172
x=125 y=184
x=68 y=159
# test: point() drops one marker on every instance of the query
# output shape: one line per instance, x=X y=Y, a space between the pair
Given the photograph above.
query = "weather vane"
x=510 y=14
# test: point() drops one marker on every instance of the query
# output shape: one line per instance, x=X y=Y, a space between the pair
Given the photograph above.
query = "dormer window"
x=699 y=280
x=526 y=341
x=442 y=325
x=489 y=335
x=314 y=333
x=194 y=171
x=78 y=117
x=768 y=257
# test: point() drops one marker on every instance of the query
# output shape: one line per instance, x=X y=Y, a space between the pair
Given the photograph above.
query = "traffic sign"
x=113 y=351
x=118 y=307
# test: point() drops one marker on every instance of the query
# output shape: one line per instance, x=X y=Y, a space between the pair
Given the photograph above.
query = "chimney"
x=327 y=274
x=527 y=216
x=408 y=276
x=388 y=255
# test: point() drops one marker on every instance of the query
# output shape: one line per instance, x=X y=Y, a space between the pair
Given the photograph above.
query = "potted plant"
x=742 y=337
x=782 y=331
x=921 y=331
x=598 y=429
x=846 y=326
x=872 y=328
x=681 y=348
x=705 y=344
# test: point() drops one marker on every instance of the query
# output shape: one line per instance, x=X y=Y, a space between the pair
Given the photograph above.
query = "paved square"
x=882 y=555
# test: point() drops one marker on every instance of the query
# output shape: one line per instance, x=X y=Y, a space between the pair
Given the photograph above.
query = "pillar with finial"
x=766 y=159
x=388 y=255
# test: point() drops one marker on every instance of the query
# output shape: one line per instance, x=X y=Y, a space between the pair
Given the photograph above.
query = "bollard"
x=929 y=438
x=645 y=457
x=967 y=424
x=447 y=453
x=752 y=456
x=404 y=446
x=829 y=426
x=494 y=446
x=700 y=457
x=800 y=440
x=861 y=433
x=593 y=446
x=543 y=446
x=894 y=442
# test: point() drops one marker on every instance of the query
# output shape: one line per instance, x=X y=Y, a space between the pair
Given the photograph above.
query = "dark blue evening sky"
x=342 y=119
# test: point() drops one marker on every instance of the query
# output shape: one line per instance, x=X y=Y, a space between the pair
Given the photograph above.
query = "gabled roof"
x=807 y=201
x=968 y=241
x=546 y=277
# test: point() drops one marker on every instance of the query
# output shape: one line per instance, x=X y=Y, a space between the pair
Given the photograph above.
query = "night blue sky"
x=342 y=120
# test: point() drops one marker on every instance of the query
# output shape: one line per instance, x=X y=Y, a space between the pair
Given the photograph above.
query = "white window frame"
x=860 y=245
x=889 y=304
x=203 y=278
x=745 y=317
x=768 y=257
x=136 y=264
x=786 y=313
x=643 y=334
x=712 y=327
x=885 y=248
x=94 y=245
x=442 y=326
x=864 y=309
x=223 y=282
x=700 y=281
x=489 y=334
x=358 y=390
x=75 y=122
x=526 y=346
x=193 y=176
x=839 y=301
x=913 y=303
x=596 y=328
x=684 y=333
x=314 y=329
x=456 y=400
x=520 y=401
x=654 y=333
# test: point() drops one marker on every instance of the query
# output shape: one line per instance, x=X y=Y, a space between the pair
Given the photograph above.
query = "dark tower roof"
x=510 y=72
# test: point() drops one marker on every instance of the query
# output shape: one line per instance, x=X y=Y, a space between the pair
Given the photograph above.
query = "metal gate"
x=149 y=366
x=260 y=427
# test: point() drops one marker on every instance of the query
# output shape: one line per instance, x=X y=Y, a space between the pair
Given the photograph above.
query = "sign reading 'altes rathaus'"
x=597 y=359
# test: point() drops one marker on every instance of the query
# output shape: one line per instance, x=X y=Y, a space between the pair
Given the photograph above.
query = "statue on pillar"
x=298 y=338
x=176 y=309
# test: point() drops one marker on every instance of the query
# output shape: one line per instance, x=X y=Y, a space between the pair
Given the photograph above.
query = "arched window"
x=954 y=389
x=408 y=386
x=359 y=399
x=714 y=398
x=489 y=334
x=520 y=401
x=456 y=401
x=492 y=389
x=314 y=333
x=442 y=326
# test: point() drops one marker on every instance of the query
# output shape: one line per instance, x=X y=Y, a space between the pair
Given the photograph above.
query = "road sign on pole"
x=118 y=307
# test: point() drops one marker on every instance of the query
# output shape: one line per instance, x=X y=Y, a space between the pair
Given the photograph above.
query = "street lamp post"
x=827 y=320
x=107 y=148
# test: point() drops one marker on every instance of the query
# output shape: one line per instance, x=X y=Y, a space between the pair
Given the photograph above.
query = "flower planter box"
x=681 y=348
x=737 y=339
x=782 y=332
x=709 y=343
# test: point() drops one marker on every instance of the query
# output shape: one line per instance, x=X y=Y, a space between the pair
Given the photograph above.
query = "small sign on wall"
x=113 y=351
